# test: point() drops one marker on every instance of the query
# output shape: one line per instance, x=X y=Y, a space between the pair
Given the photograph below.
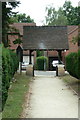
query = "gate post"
x=59 y=56
x=56 y=70
x=30 y=61
x=30 y=67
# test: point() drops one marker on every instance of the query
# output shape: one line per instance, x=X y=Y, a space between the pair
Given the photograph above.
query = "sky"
x=36 y=8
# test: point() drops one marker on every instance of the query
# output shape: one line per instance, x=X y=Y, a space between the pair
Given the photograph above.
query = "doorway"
x=51 y=59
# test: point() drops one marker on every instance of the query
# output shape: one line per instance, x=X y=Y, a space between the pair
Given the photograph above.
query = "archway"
x=45 y=38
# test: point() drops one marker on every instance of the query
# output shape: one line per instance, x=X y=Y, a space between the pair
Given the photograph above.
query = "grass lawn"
x=16 y=98
x=72 y=81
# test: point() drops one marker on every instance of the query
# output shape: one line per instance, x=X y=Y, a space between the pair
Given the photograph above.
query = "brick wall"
x=11 y=38
x=72 y=47
x=52 y=53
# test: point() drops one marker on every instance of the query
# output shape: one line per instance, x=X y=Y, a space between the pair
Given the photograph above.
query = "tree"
x=51 y=15
x=55 y=17
x=77 y=16
x=61 y=19
x=67 y=15
x=21 y=18
x=6 y=13
x=72 y=13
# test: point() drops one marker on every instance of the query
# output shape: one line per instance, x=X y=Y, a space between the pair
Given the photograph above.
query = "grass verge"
x=13 y=107
x=73 y=82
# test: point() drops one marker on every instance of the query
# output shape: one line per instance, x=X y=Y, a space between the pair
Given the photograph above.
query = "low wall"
x=30 y=70
x=61 y=70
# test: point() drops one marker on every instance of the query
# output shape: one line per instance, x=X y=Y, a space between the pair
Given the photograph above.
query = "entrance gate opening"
x=45 y=38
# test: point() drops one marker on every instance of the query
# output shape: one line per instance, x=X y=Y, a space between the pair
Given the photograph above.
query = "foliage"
x=65 y=15
x=9 y=67
x=39 y=53
x=42 y=63
x=55 y=17
x=0 y=77
x=68 y=11
x=6 y=13
x=21 y=18
x=17 y=41
x=72 y=13
x=76 y=39
x=79 y=64
x=73 y=65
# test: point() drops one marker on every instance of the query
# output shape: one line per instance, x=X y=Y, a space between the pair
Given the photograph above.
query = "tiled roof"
x=45 y=37
x=19 y=26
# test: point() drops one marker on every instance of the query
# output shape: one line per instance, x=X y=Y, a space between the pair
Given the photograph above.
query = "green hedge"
x=0 y=77
x=41 y=62
x=73 y=64
x=39 y=53
x=9 y=67
x=79 y=64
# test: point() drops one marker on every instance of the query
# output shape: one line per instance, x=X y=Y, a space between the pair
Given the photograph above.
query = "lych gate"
x=45 y=38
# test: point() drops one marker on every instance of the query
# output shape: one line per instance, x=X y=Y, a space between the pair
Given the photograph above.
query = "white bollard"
x=19 y=68
x=30 y=70
x=61 y=70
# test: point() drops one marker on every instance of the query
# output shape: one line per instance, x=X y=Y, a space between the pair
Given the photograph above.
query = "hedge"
x=9 y=67
x=73 y=64
x=39 y=53
x=41 y=62
x=79 y=64
x=0 y=77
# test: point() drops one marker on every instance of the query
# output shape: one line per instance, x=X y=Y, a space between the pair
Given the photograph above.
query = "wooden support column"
x=59 y=56
x=30 y=60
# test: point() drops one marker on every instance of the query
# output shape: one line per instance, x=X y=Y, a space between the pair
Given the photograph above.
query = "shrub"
x=9 y=67
x=41 y=63
x=39 y=53
x=0 y=77
x=73 y=64
x=79 y=64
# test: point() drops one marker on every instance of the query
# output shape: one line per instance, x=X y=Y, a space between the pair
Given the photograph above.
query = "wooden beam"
x=30 y=61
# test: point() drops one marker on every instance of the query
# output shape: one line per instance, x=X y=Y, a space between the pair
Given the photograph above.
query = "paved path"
x=51 y=98
x=44 y=73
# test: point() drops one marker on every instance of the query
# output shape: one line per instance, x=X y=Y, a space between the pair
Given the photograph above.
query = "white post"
x=19 y=67
x=45 y=55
